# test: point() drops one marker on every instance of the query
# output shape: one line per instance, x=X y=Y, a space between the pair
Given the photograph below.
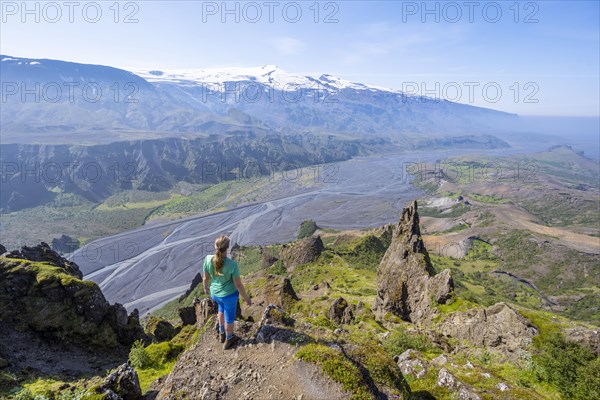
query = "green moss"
x=154 y=361
x=321 y=321
x=364 y=252
x=379 y=365
x=57 y=318
x=307 y=228
x=490 y=199
x=456 y=228
x=337 y=367
x=160 y=358
x=455 y=211
x=277 y=269
x=400 y=340
x=457 y=303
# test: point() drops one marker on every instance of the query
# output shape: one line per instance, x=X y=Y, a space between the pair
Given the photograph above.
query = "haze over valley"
x=413 y=203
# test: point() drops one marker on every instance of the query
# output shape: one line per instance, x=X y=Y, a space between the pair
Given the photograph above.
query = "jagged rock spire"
x=407 y=285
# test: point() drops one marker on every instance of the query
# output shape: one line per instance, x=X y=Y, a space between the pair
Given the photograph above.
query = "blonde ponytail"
x=221 y=246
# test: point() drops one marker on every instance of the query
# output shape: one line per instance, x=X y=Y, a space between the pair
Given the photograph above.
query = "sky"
x=526 y=57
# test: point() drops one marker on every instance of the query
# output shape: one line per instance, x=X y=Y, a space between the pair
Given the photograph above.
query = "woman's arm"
x=240 y=287
x=205 y=282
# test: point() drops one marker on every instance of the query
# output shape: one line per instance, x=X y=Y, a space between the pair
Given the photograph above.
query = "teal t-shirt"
x=221 y=285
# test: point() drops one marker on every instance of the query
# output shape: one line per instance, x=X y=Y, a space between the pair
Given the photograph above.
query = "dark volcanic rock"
x=341 y=312
x=406 y=282
x=160 y=329
x=187 y=315
x=336 y=310
x=268 y=258
x=123 y=382
x=302 y=252
x=43 y=252
x=195 y=282
x=43 y=292
x=276 y=290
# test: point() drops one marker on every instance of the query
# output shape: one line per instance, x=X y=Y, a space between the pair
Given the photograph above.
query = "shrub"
x=588 y=381
x=400 y=341
x=138 y=356
x=307 y=228
x=277 y=269
x=565 y=365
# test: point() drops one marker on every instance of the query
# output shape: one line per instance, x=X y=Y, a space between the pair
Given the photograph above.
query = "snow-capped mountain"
x=43 y=96
x=269 y=75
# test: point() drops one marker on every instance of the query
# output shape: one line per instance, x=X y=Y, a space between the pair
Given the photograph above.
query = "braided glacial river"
x=148 y=266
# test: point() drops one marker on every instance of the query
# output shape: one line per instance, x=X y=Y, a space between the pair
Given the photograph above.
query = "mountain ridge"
x=91 y=99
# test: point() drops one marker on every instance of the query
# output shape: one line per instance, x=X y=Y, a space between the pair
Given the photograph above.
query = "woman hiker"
x=223 y=275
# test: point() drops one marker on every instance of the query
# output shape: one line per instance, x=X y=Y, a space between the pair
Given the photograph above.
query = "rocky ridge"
x=54 y=322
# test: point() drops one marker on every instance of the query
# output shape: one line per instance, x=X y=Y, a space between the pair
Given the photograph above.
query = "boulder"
x=407 y=285
x=276 y=290
x=411 y=363
x=446 y=379
x=268 y=258
x=45 y=295
x=586 y=337
x=440 y=360
x=123 y=382
x=160 y=329
x=498 y=326
x=462 y=391
x=187 y=315
x=337 y=309
x=301 y=252
x=275 y=324
x=2 y=249
x=441 y=286
x=348 y=316
x=128 y=328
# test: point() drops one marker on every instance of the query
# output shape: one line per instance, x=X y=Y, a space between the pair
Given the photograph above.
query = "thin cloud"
x=289 y=45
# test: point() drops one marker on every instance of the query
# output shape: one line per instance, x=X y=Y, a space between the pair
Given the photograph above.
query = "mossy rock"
x=49 y=299
x=355 y=366
x=160 y=329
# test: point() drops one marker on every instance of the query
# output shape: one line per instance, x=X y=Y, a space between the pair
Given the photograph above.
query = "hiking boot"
x=229 y=343
x=222 y=337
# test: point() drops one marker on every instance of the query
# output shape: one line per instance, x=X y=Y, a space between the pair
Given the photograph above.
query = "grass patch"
x=400 y=340
x=337 y=367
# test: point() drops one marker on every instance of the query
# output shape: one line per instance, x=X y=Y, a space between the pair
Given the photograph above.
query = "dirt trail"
x=251 y=370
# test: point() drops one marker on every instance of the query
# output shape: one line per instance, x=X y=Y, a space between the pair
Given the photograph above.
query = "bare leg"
x=229 y=329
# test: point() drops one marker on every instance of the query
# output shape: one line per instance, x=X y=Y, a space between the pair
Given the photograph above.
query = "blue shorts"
x=227 y=305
